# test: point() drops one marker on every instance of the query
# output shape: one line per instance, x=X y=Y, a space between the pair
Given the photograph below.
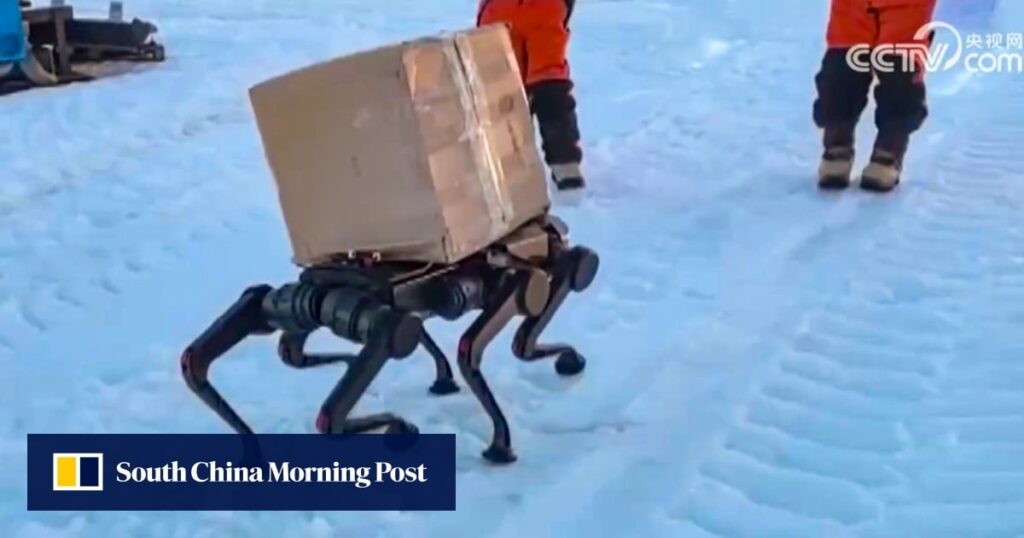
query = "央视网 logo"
x=78 y=472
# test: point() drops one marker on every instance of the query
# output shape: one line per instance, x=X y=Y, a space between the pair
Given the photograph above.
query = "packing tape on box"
x=471 y=90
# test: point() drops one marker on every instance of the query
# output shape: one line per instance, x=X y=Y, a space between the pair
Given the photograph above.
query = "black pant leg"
x=552 y=102
x=842 y=94
x=902 y=107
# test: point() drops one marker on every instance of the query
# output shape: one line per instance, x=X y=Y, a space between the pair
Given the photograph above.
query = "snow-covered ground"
x=764 y=360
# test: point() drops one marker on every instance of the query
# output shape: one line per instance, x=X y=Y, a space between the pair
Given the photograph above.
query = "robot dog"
x=382 y=305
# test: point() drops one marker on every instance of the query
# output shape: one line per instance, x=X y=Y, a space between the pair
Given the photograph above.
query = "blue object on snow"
x=12 y=34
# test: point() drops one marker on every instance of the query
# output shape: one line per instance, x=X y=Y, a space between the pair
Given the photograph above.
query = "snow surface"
x=764 y=360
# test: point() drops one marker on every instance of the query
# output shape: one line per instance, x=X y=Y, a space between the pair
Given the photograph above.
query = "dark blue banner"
x=237 y=472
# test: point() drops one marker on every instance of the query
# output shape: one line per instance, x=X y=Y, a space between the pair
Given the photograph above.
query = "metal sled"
x=54 y=43
x=382 y=305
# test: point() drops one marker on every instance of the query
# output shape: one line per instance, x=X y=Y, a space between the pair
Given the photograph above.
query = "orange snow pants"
x=540 y=36
x=843 y=92
x=878 y=22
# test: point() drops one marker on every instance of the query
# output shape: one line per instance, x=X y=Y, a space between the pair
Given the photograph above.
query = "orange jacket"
x=539 y=31
x=875 y=22
x=892 y=3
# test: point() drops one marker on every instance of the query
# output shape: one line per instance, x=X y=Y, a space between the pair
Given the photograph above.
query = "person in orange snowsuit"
x=843 y=91
x=540 y=36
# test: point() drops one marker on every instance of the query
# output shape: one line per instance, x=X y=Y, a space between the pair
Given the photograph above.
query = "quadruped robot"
x=383 y=304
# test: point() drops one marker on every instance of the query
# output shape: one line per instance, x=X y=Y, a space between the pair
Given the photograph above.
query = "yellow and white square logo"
x=78 y=472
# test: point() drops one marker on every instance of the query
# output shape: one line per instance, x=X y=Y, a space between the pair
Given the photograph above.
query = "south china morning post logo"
x=216 y=472
x=203 y=472
x=77 y=472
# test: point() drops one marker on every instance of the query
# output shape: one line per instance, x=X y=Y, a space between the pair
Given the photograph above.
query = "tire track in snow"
x=790 y=427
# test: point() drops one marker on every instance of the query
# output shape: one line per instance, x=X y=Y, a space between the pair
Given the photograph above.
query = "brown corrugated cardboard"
x=422 y=151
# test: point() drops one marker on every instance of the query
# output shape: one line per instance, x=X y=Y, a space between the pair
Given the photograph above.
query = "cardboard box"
x=422 y=151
